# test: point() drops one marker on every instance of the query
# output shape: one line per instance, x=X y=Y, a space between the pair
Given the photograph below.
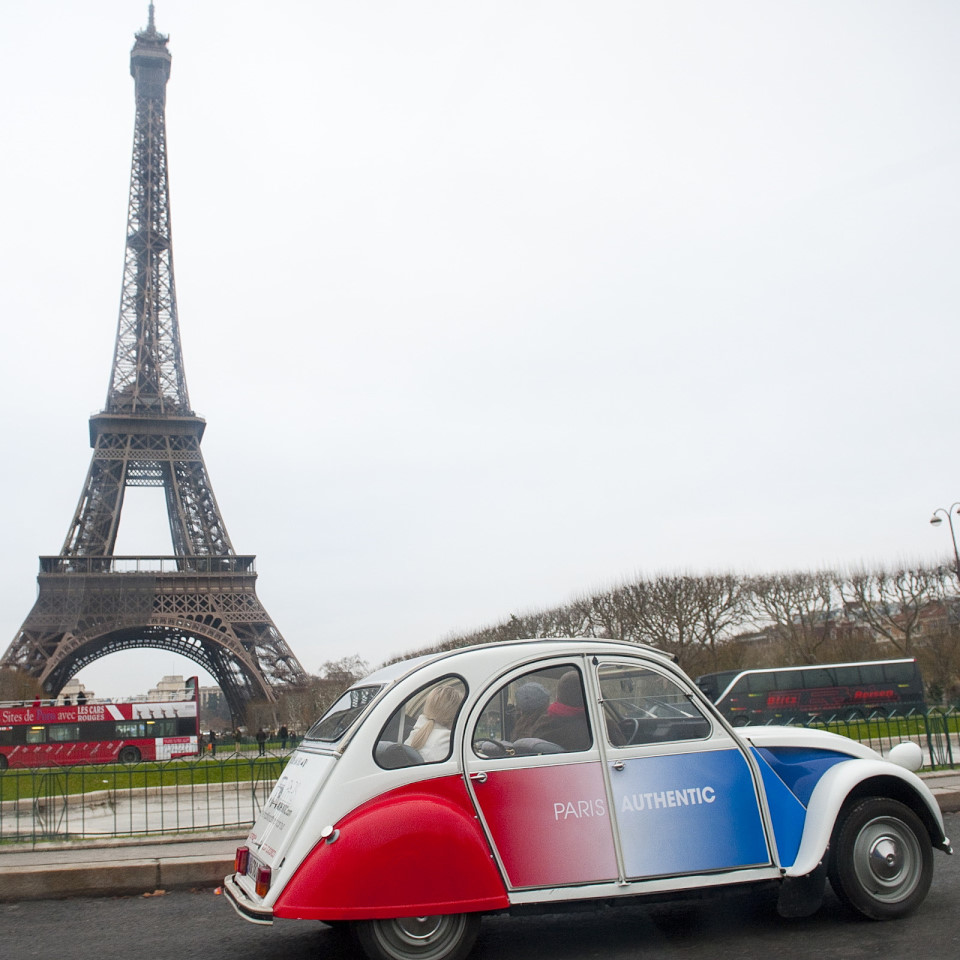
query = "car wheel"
x=3 y=762
x=129 y=755
x=881 y=862
x=448 y=937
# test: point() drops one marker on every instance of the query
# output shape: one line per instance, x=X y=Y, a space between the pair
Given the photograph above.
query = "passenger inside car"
x=532 y=700
x=565 y=722
x=431 y=733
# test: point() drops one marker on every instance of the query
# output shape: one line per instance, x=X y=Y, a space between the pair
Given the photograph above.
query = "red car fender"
x=415 y=851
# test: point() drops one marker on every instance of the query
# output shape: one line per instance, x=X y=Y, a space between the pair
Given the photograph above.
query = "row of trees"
x=728 y=621
x=717 y=622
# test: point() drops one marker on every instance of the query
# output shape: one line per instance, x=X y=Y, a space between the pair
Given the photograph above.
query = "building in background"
x=73 y=689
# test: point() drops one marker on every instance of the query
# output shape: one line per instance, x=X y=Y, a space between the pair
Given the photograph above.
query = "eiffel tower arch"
x=201 y=600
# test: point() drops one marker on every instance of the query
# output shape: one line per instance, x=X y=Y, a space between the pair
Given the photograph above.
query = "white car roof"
x=543 y=646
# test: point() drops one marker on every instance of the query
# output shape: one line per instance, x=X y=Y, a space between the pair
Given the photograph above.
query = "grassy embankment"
x=22 y=784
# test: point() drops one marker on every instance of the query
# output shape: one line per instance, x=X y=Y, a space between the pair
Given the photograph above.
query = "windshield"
x=343 y=714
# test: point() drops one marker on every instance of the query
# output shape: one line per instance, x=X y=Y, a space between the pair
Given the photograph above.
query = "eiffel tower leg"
x=93 y=531
x=195 y=522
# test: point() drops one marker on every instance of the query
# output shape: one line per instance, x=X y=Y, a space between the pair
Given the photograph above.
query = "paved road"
x=201 y=924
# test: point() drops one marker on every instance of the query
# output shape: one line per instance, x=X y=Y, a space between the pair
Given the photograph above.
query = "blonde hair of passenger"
x=440 y=708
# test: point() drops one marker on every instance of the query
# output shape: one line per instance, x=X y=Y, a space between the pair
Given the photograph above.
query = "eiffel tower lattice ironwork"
x=201 y=602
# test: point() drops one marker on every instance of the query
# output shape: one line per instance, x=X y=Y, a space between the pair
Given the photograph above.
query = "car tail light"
x=241 y=860
x=263 y=881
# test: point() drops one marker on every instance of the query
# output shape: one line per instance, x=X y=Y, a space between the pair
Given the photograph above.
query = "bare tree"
x=668 y=614
x=18 y=686
x=939 y=659
x=613 y=615
x=802 y=610
x=799 y=617
x=892 y=602
x=723 y=604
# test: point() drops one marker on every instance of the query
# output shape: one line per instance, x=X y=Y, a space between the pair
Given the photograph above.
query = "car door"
x=536 y=775
x=683 y=793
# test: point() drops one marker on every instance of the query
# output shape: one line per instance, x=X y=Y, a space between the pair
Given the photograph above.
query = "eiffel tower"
x=200 y=602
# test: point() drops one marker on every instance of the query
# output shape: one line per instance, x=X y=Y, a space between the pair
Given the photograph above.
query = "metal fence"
x=935 y=730
x=228 y=791
x=118 y=800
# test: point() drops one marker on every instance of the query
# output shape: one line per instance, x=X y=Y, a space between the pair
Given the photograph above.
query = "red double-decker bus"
x=58 y=735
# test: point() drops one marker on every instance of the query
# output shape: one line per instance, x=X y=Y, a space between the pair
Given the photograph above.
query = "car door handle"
x=480 y=777
x=618 y=765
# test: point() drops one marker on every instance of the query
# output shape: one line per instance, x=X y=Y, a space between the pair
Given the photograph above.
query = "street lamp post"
x=936 y=520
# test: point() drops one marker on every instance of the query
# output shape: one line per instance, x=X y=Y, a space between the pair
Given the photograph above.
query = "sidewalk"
x=945 y=786
x=116 y=868
x=134 y=867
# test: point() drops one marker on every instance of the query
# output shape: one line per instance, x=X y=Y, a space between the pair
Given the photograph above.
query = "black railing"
x=148 y=565
x=936 y=730
x=117 y=800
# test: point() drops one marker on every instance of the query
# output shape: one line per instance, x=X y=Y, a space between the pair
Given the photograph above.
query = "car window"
x=342 y=715
x=420 y=730
x=641 y=705
x=540 y=712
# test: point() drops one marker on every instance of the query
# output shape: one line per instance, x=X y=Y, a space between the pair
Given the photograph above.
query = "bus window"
x=815 y=679
x=713 y=684
x=64 y=732
x=789 y=679
x=37 y=735
x=761 y=682
x=131 y=729
x=895 y=673
x=871 y=673
x=161 y=728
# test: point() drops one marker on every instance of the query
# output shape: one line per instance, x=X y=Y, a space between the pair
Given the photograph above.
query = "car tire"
x=881 y=859
x=448 y=937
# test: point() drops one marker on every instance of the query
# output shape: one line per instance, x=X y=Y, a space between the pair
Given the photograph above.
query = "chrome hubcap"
x=887 y=859
x=418 y=928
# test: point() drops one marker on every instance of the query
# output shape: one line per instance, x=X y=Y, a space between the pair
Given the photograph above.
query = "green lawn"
x=882 y=728
x=47 y=781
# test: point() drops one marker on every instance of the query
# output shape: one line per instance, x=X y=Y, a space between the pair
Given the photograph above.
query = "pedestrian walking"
x=261 y=742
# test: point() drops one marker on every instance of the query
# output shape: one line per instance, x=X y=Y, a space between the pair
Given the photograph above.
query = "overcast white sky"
x=488 y=305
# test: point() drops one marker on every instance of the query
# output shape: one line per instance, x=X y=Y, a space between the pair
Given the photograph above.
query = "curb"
x=114 y=879
x=948 y=802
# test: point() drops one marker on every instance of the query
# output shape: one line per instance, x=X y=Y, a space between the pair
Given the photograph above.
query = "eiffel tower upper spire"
x=147 y=433
x=147 y=378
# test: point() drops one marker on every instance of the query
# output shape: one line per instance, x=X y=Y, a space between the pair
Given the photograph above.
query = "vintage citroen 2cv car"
x=551 y=772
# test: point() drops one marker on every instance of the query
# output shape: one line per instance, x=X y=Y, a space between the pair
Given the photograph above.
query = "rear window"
x=343 y=714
